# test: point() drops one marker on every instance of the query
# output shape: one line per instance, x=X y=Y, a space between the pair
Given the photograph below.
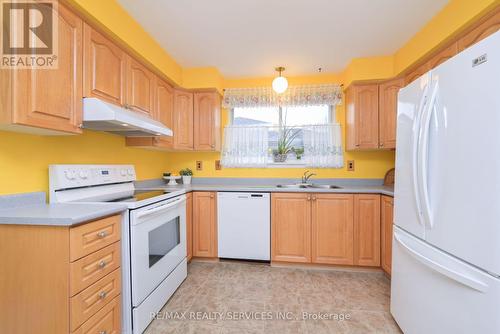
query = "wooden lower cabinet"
x=386 y=210
x=291 y=227
x=332 y=229
x=40 y=292
x=204 y=224
x=189 y=226
x=367 y=230
x=340 y=229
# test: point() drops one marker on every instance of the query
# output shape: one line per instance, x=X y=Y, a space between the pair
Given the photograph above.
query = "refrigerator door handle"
x=450 y=273
x=415 y=148
x=423 y=158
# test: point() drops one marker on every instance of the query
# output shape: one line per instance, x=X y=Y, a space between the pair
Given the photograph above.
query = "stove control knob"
x=70 y=174
x=130 y=172
x=83 y=174
x=123 y=172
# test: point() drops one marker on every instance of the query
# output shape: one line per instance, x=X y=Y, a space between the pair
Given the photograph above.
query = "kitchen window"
x=294 y=129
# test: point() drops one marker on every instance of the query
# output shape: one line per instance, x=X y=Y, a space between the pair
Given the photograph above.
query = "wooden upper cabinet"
x=367 y=230
x=387 y=208
x=47 y=99
x=291 y=227
x=362 y=117
x=183 y=120
x=332 y=229
x=388 y=106
x=483 y=30
x=104 y=68
x=207 y=136
x=140 y=88
x=164 y=110
x=204 y=224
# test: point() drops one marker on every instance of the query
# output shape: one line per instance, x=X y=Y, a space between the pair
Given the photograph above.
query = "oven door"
x=158 y=244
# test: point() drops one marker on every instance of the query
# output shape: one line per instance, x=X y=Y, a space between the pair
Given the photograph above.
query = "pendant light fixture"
x=280 y=84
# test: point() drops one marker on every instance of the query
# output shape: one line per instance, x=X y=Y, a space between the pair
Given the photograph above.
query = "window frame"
x=332 y=118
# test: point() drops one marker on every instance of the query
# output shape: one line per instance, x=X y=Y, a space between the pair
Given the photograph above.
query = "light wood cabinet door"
x=483 y=30
x=140 y=88
x=50 y=99
x=291 y=227
x=367 y=230
x=362 y=117
x=183 y=120
x=388 y=107
x=164 y=110
x=189 y=226
x=104 y=68
x=204 y=225
x=387 y=208
x=207 y=121
x=332 y=229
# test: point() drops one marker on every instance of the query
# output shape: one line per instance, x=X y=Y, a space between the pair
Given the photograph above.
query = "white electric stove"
x=153 y=234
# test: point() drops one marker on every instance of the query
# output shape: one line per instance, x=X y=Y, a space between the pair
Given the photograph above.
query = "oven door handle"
x=160 y=208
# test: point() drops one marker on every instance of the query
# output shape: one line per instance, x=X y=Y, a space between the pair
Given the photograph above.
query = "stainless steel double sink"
x=308 y=186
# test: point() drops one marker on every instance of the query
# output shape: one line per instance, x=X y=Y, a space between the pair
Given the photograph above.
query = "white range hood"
x=104 y=116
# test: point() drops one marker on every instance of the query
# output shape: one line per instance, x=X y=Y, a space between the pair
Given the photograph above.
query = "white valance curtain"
x=294 y=96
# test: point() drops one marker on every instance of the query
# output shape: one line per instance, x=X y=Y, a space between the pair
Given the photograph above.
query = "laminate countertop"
x=31 y=209
x=352 y=189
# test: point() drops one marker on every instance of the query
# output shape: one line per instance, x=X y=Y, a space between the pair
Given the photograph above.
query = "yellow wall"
x=24 y=158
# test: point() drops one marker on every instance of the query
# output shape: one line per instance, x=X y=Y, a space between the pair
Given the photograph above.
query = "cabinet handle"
x=102 y=264
x=381 y=144
x=212 y=146
x=357 y=145
x=308 y=198
x=102 y=234
x=314 y=198
x=211 y=195
x=103 y=332
x=102 y=295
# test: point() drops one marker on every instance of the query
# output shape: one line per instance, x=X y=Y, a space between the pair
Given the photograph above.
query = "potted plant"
x=186 y=174
x=299 y=151
x=285 y=140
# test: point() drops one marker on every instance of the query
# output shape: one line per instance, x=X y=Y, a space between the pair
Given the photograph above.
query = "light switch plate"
x=350 y=165
x=199 y=165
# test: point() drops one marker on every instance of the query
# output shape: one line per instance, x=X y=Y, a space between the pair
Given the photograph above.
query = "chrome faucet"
x=307 y=176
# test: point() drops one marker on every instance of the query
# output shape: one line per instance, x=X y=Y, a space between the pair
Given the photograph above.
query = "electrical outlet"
x=199 y=165
x=218 y=165
x=350 y=165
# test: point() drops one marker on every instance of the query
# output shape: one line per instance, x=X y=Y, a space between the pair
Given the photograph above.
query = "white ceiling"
x=251 y=37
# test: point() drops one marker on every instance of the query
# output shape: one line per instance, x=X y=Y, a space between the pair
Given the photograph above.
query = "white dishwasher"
x=244 y=225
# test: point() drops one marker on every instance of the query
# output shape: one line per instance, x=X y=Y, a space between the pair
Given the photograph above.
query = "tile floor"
x=246 y=298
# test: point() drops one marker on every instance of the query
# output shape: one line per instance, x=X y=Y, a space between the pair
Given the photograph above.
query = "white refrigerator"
x=446 y=242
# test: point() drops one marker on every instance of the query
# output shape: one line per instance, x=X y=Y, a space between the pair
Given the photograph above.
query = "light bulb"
x=280 y=84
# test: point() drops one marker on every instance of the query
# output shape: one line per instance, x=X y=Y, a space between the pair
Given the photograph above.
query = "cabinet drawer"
x=107 y=320
x=88 y=238
x=93 y=267
x=89 y=301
